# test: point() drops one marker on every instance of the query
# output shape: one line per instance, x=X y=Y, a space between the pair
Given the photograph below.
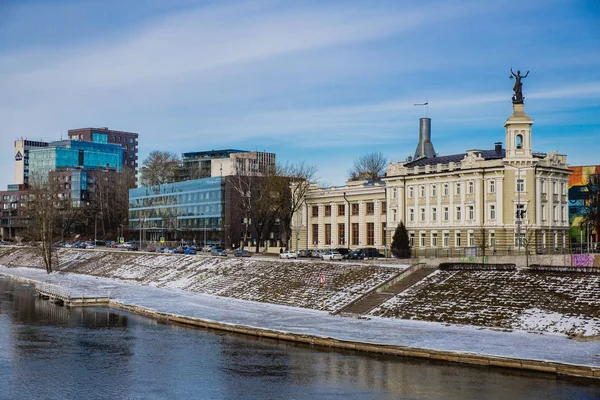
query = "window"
x=555 y=213
x=458 y=213
x=519 y=140
x=445 y=189
x=521 y=212
x=395 y=215
x=315 y=234
x=433 y=190
x=327 y=233
x=394 y=193
x=544 y=186
x=457 y=188
x=434 y=214
x=383 y=207
x=471 y=212
x=457 y=239
x=519 y=240
x=370 y=208
x=446 y=239
x=434 y=239
x=341 y=209
x=423 y=239
x=492 y=186
x=327 y=211
x=370 y=234
x=492 y=211
x=411 y=192
x=562 y=214
x=411 y=214
x=492 y=240
x=411 y=239
x=446 y=214
x=554 y=188
x=422 y=190
x=471 y=239
x=341 y=229
x=471 y=187
x=354 y=234
x=543 y=212
x=520 y=185
x=422 y=214
x=355 y=209
x=315 y=211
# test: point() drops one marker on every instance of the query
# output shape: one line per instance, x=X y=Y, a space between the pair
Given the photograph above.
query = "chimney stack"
x=425 y=147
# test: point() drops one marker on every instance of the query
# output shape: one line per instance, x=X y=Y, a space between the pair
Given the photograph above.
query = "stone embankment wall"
x=521 y=261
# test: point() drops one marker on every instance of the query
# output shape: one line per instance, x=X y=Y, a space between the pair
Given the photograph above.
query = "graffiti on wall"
x=583 y=260
x=578 y=193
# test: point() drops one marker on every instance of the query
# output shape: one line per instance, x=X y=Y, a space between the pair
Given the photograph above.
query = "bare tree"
x=43 y=208
x=291 y=182
x=160 y=167
x=369 y=166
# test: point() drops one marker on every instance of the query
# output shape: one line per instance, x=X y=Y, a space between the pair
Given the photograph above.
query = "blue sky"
x=317 y=81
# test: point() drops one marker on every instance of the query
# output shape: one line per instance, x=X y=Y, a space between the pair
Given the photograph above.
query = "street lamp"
x=96 y=227
x=348 y=226
x=204 y=229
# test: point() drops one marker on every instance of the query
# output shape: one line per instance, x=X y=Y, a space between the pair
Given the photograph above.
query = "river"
x=51 y=352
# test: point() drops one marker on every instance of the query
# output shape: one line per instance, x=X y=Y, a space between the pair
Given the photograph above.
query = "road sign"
x=121 y=239
x=322 y=279
x=162 y=239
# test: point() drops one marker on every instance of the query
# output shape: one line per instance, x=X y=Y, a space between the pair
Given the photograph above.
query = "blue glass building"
x=180 y=210
x=67 y=154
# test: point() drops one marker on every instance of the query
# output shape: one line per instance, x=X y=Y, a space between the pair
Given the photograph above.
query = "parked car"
x=216 y=251
x=367 y=252
x=303 y=253
x=151 y=249
x=207 y=249
x=168 y=250
x=189 y=251
x=242 y=253
x=316 y=253
x=332 y=255
x=288 y=254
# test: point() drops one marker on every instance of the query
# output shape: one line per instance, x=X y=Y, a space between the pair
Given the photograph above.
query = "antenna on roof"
x=424 y=107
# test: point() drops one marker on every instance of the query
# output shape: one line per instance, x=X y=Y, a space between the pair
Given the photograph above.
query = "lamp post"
x=204 y=228
x=96 y=227
x=141 y=228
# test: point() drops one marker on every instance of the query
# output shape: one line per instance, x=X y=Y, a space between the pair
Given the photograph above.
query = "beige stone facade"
x=505 y=199
x=476 y=198
x=351 y=216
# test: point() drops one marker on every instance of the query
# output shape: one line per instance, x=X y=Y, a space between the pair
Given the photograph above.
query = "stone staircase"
x=375 y=299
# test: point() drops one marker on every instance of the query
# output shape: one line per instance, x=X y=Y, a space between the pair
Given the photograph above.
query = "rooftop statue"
x=518 y=88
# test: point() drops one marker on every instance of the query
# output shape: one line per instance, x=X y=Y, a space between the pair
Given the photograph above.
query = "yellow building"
x=504 y=199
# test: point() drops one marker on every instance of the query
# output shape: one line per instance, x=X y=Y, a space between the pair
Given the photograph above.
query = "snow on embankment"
x=285 y=282
x=541 y=302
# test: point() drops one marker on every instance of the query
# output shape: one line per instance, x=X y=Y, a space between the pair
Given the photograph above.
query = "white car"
x=288 y=254
x=331 y=255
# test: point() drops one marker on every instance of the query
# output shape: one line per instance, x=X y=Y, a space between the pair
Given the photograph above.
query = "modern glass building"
x=189 y=210
x=74 y=154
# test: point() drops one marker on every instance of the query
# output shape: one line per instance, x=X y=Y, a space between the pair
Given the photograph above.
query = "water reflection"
x=48 y=351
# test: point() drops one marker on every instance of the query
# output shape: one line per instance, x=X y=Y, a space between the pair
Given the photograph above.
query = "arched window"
x=519 y=141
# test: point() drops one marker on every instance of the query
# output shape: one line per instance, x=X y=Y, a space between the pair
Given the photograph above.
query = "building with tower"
x=504 y=199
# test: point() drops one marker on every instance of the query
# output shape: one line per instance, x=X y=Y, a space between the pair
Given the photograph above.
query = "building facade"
x=503 y=199
x=66 y=154
x=22 y=147
x=350 y=216
x=127 y=140
x=584 y=189
x=204 y=164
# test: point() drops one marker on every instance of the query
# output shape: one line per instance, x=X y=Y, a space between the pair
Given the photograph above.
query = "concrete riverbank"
x=551 y=354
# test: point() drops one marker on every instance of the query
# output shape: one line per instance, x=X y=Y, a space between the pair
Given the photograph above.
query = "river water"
x=51 y=352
